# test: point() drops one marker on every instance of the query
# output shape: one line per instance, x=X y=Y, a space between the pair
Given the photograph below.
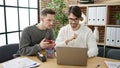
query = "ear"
x=41 y=19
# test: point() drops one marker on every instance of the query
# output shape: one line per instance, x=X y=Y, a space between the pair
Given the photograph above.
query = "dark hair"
x=75 y=10
x=46 y=11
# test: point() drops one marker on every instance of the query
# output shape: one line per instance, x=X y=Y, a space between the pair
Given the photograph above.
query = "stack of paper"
x=20 y=63
x=112 y=64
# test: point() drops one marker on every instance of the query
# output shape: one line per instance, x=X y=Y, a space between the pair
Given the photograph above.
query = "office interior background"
x=15 y=15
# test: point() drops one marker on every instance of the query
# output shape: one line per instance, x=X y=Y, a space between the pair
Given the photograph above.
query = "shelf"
x=112 y=10
x=101 y=44
x=103 y=4
x=113 y=25
x=113 y=46
x=95 y=25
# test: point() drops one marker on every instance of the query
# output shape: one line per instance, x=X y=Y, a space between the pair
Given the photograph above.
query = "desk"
x=92 y=63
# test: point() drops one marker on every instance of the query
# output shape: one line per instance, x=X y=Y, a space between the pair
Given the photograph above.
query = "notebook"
x=71 y=56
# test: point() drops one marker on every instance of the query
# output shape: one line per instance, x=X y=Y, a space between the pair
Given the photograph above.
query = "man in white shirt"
x=77 y=35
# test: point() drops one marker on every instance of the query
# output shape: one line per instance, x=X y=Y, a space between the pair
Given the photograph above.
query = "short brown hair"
x=46 y=11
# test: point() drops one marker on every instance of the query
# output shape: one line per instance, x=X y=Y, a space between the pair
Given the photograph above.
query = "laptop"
x=72 y=56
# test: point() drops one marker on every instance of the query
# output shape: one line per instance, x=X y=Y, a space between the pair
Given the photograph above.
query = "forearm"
x=30 y=50
x=60 y=43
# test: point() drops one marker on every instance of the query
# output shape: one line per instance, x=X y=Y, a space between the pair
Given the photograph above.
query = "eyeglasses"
x=75 y=20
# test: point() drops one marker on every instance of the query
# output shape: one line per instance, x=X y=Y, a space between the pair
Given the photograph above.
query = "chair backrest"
x=100 y=51
x=114 y=54
x=7 y=51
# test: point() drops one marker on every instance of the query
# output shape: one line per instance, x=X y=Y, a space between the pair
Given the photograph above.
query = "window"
x=2 y=40
x=33 y=16
x=23 y=3
x=1 y=2
x=23 y=13
x=13 y=37
x=2 y=22
x=11 y=3
x=11 y=19
x=16 y=15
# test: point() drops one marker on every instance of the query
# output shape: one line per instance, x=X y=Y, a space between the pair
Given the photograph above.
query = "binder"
x=108 y=35
x=101 y=15
x=113 y=36
x=92 y=15
x=97 y=15
x=117 y=36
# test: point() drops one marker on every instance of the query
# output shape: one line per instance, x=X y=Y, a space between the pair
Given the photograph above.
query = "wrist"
x=67 y=41
x=41 y=46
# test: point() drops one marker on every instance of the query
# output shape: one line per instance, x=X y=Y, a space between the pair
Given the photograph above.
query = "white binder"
x=92 y=15
x=113 y=36
x=117 y=36
x=108 y=35
x=101 y=15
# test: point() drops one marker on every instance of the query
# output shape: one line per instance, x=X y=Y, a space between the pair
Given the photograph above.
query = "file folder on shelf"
x=117 y=36
x=108 y=35
x=97 y=15
x=113 y=36
x=101 y=16
x=91 y=15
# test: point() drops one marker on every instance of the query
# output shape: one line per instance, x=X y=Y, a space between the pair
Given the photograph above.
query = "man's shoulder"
x=65 y=27
x=28 y=28
x=86 y=28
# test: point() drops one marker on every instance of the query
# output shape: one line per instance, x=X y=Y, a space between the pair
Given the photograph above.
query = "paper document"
x=20 y=63
x=112 y=64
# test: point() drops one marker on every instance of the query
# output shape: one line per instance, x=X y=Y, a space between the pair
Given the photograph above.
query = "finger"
x=46 y=42
x=44 y=39
x=51 y=45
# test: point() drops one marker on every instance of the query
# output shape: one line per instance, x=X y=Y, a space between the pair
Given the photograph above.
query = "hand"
x=70 y=39
x=45 y=43
x=50 y=41
x=51 y=45
x=74 y=36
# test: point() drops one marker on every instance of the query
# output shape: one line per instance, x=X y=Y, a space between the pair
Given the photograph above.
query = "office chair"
x=100 y=51
x=7 y=51
x=114 y=54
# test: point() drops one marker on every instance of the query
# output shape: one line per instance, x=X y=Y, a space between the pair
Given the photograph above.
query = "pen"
x=32 y=65
x=97 y=66
x=35 y=64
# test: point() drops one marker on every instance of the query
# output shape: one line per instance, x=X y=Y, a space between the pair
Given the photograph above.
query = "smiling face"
x=74 y=15
x=73 y=20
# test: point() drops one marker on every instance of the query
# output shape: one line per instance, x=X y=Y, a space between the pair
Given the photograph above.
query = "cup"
x=50 y=52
